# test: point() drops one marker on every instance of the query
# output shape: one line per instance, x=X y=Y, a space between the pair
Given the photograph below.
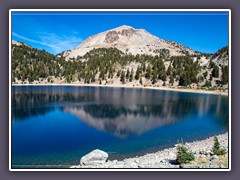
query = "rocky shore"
x=204 y=157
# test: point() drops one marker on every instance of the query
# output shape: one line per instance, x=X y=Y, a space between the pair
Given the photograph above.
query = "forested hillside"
x=112 y=66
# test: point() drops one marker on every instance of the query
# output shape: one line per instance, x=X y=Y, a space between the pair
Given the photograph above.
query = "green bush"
x=217 y=149
x=183 y=154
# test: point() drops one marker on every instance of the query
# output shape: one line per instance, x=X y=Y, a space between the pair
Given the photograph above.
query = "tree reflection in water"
x=118 y=111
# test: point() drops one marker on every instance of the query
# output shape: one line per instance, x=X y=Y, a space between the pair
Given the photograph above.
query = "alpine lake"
x=54 y=126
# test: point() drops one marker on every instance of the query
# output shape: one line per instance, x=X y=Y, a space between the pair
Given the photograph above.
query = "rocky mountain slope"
x=221 y=56
x=17 y=43
x=111 y=66
x=129 y=40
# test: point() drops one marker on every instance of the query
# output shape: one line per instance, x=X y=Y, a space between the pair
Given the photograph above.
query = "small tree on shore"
x=183 y=154
x=217 y=149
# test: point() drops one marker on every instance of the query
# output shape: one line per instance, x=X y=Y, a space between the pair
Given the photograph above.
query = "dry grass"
x=223 y=160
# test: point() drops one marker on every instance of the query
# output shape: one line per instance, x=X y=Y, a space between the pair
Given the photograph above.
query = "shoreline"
x=133 y=87
x=165 y=158
x=162 y=159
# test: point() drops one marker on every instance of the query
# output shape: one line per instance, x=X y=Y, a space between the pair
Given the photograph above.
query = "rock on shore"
x=204 y=158
x=95 y=157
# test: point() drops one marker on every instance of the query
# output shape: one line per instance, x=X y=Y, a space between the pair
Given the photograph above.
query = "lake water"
x=57 y=125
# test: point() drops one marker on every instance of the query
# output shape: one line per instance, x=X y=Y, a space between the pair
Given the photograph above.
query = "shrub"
x=183 y=154
x=217 y=149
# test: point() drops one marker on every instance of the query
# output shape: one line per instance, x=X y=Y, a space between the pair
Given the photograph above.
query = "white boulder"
x=95 y=157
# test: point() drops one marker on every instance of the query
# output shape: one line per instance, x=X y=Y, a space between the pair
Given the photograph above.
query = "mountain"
x=221 y=56
x=17 y=43
x=111 y=66
x=129 y=40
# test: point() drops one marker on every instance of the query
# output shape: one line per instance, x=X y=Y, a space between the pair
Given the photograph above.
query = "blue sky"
x=59 y=31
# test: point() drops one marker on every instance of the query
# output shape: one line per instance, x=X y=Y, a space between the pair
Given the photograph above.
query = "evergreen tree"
x=141 y=82
x=169 y=70
x=211 y=64
x=184 y=79
x=137 y=73
x=207 y=84
x=205 y=74
x=183 y=154
x=131 y=75
x=162 y=75
x=217 y=149
x=171 y=80
x=128 y=73
x=215 y=71
x=122 y=79
x=154 y=77
x=143 y=67
x=224 y=77
x=148 y=74
x=118 y=73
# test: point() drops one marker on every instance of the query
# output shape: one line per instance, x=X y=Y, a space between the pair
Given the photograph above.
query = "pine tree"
x=224 y=77
x=205 y=74
x=171 y=80
x=169 y=70
x=128 y=73
x=215 y=71
x=137 y=73
x=141 y=82
x=118 y=73
x=143 y=67
x=148 y=74
x=131 y=75
x=217 y=149
x=184 y=79
x=154 y=77
x=123 y=77
x=183 y=154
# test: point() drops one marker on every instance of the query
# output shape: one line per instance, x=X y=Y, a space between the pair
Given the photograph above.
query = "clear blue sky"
x=59 y=31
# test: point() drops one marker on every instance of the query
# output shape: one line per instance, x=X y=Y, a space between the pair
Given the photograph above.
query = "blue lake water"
x=57 y=125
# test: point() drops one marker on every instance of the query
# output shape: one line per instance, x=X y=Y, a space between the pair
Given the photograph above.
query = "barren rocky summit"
x=129 y=40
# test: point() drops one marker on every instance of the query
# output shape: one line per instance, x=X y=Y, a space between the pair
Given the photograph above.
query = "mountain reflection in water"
x=117 y=111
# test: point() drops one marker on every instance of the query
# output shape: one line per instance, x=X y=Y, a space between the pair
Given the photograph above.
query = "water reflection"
x=121 y=112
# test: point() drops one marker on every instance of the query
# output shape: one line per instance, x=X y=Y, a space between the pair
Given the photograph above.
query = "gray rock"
x=184 y=166
x=214 y=165
x=133 y=165
x=208 y=152
x=143 y=166
x=95 y=157
x=202 y=156
x=114 y=161
x=136 y=161
x=214 y=157
x=163 y=161
x=171 y=155
x=202 y=152
x=140 y=166
x=187 y=145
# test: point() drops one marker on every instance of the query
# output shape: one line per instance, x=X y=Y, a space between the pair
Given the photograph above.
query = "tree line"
x=104 y=64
